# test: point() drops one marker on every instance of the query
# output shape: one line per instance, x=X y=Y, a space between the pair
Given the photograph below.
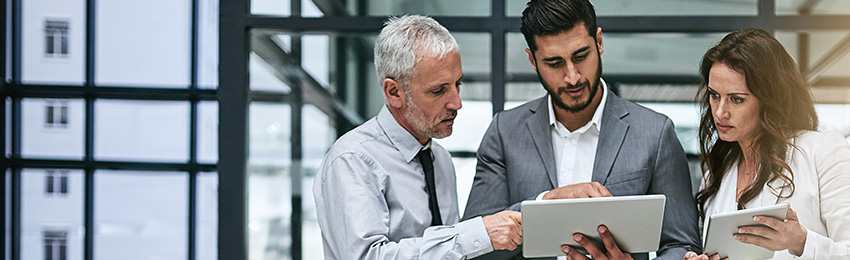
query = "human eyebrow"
x=556 y=58
x=581 y=50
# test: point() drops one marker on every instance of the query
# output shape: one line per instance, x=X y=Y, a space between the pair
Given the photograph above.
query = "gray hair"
x=404 y=41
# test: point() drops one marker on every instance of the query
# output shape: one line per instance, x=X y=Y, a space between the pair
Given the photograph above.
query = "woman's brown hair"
x=785 y=108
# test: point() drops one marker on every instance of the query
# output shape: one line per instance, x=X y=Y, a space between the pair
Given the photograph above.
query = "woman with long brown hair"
x=760 y=146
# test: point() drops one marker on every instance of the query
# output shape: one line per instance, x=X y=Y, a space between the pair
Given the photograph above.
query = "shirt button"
x=477 y=244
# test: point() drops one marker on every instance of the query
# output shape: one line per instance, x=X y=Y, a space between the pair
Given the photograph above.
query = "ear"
x=531 y=59
x=599 y=40
x=394 y=92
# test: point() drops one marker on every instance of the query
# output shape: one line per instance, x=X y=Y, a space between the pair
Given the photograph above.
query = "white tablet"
x=722 y=226
x=634 y=221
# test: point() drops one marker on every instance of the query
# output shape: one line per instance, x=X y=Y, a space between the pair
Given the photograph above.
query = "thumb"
x=791 y=214
x=516 y=216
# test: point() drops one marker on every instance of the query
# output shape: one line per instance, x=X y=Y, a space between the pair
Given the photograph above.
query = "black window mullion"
x=193 y=131
x=88 y=156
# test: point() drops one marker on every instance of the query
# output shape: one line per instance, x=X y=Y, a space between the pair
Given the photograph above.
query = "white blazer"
x=821 y=165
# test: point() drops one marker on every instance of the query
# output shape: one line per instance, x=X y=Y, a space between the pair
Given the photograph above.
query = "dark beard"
x=593 y=88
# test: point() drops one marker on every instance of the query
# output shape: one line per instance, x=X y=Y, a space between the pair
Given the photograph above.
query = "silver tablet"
x=634 y=221
x=722 y=226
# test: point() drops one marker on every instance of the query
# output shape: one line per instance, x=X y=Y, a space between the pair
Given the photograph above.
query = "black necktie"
x=428 y=167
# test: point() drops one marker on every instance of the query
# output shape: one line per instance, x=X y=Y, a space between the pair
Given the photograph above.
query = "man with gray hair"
x=386 y=190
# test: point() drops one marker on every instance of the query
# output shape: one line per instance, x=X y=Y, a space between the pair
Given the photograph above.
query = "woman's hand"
x=776 y=234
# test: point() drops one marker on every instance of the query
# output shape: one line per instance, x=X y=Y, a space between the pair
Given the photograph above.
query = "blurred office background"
x=192 y=129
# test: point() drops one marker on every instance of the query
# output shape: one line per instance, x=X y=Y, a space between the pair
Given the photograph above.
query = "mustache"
x=449 y=114
x=569 y=87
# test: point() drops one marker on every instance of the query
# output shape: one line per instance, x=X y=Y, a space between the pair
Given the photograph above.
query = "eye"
x=439 y=91
x=556 y=64
x=713 y=95
x=580 y=57
x=737 y=100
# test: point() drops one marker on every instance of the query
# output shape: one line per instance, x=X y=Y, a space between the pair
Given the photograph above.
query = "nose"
x=571 y=74
x=454 y=102
x=720 y=111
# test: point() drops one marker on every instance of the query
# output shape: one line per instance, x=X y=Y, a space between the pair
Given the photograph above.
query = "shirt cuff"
x=540 y=197
x=473 y=238
x=809 y=248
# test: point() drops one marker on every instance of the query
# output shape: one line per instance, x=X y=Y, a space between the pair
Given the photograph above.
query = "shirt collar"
x=400 y=138
x=596 y=120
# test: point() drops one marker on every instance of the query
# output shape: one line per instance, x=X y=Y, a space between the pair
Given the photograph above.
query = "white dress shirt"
x=575 y=151
x=372 y=202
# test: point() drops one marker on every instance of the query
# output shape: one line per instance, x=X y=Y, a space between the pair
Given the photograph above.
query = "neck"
x=748 y=153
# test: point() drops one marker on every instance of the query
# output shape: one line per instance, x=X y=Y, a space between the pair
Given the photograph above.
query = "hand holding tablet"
x=723 y=227
x=548 y=224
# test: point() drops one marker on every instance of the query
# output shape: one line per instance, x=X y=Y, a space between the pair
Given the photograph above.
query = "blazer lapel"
x=538 y=126
x=613 y=132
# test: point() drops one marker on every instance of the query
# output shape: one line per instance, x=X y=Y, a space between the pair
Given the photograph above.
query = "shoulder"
x=819 y=140
x=357 y=143
x=529 y=108
x=635 y=112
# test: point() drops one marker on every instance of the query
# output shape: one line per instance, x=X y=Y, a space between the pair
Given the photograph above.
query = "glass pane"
x=262 y=77
x=44 y=137
x=37 y=65
x=271 y=7
x=429 y=7
x=206 y=237
x=269 y=183
x=796 y=7
x=315 y=57
x=657 y=7
x=136 y=48
x=140 y=215
x=826 y=66
x=208 y=132
x=474 y=117
x=54 y=212
x=318 y=136
x=655 y=53
x=132 y=130
x=465 y=172
x=208 y=45
x=374 y=8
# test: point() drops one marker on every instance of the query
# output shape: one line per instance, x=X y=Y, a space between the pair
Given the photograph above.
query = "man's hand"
x=612 y=251
x=578 y=190
x=775 y=235
x=690 y=255
x=504 y=229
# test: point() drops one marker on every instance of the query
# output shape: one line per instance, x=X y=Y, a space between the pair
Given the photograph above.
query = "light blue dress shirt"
x=372 y=203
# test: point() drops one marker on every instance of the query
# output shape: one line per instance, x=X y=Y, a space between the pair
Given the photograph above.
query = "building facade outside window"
x=56 y=182
x=56 y=38
x=56 y=114
x=55 y=245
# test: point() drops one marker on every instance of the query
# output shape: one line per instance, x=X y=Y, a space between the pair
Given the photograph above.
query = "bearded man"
x=581 y=140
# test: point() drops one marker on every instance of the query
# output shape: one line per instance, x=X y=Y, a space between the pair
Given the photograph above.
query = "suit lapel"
x=611 y=136
x=538 y=126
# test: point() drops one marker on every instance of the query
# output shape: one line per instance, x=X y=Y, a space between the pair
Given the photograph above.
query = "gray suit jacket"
x=638 y=153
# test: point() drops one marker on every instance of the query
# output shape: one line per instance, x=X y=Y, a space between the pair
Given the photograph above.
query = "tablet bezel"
x=634 y=221
x=722 y=226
